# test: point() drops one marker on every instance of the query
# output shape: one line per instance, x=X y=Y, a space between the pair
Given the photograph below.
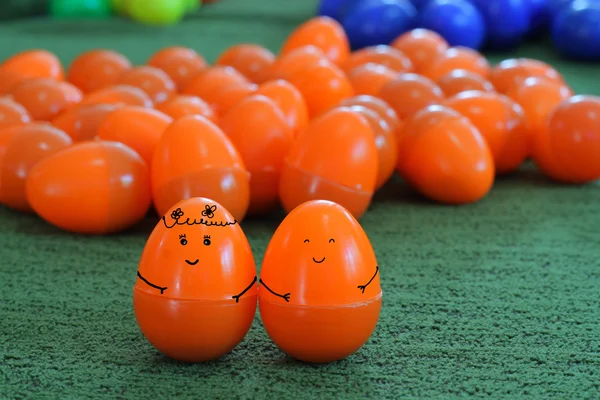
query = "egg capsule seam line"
x=332 y=307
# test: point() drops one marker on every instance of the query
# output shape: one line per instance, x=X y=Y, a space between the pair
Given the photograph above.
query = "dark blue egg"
x=576 y=30
x=336 y=9
x=540 y=16
x=507 y=22
x=374 y=22
x=458 y=21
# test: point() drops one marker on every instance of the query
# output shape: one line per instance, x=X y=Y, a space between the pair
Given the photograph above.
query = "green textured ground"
x=499 y=298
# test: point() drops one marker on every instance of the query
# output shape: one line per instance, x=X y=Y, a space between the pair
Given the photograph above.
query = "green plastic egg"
x=157 y=12
x=66 y=9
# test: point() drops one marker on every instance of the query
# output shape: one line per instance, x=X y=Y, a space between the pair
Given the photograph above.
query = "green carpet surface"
x=499 y=298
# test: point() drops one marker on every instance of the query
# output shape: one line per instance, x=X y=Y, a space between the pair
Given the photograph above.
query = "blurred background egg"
x=94 y=187
x=195 y=158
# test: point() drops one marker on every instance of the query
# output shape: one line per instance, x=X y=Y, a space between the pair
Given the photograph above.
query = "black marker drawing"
x=319 y=261
x=208 y=213
x=363 y=287
x=183 y=240
x=286 y=296
x=162 y=289
x=192 y=262
x=237 y=297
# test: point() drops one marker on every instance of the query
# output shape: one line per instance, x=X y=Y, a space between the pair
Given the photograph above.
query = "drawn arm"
x=286 y=296
x=363 y=287
x=237 y=297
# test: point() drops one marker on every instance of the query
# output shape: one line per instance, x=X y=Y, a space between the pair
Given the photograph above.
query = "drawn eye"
x=182 y=240
x=207 y=240
x=332 y=240
x=306 y=240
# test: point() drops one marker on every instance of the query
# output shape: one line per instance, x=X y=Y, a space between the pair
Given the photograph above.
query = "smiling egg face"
x=195 y=294
x=320 y=294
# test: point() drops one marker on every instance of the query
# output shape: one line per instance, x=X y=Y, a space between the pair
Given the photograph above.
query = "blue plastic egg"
x=374 y=22
x=458 y=21
x=507 y=22
x=576 y=30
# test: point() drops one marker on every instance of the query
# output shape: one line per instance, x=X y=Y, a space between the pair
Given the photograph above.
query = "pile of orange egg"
x=92 y=147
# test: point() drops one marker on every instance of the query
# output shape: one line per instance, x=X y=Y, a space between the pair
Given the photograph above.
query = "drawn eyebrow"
x=182 y=236
x=306 y=240
x=332 y=240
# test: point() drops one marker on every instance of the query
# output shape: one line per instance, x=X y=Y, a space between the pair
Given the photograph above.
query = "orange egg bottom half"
x=193 y=330
x=319 y=334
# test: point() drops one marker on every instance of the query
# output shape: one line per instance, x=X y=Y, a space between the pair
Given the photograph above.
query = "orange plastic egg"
x=373 y=103
x=538 y=97
x=445 y=157
x=154 y=81
x=457 y=58
x=97 y=69
x=21 y=147
x=10 y=79
x=260 y=133
x=34 y=64
x=334 y=158
x=194 y=158
x=180 y=106
x=211 y=80
x=119 y=95
x=324 y=33
x=574 y=137
x=409 y=93
x=225 y=98
x=12 y=113
x=421 y=46
x=180 y=63
x=513 y=71
x=500 y=121
x=251 y=60
x=93 y=187
x=137 y=127
x=370 y=78
x=81 y=122
x=459 y=81
x=323 y=85
x=385 y=140
x=320 y=294
x=294 y=61
x=384 y=55
x=289 y=100
x=45 y=98
x=196 y=292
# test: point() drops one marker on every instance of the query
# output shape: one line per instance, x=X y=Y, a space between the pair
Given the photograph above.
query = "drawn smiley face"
x=319 y=256
x=197 y=251
x=319 y=260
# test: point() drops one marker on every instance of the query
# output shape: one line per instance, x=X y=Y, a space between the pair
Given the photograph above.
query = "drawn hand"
x=286 y=297
x=236 y=297
x=362 y=288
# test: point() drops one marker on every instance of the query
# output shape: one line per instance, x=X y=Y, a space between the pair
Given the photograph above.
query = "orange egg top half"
x=189 y=145
x=338 y=146
x=197 y=251
x=319 y=256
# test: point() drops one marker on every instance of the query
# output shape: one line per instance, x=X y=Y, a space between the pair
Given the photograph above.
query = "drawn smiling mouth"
x=319 y=261
x=192 y=262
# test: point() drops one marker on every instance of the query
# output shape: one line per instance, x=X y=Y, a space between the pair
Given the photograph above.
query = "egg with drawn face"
x=320 y=294
x=196 y=293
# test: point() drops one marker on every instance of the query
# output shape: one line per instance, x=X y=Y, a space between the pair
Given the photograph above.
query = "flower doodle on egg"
x=321 y=260
x=194 y=248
